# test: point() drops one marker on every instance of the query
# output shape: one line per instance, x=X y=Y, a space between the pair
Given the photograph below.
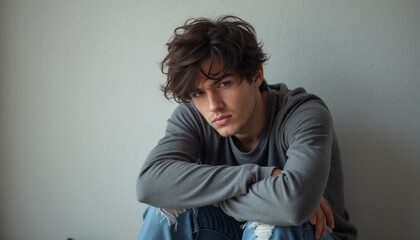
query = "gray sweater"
x=193 y=166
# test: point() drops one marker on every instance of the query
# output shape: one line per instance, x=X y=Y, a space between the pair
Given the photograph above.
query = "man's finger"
x=313 y=219
x=320 y=222
x=327 y=212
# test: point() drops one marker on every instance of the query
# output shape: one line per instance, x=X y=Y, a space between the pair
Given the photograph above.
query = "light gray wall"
x=81 y=109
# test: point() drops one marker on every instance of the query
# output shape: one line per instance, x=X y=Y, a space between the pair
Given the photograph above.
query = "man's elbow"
x=293 y=215
x=298 y=219
x=290 y=218
x=300 y=215
x=143 y=193
x=141 y=197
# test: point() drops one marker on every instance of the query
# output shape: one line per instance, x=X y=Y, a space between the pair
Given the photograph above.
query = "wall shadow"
x=381 y=175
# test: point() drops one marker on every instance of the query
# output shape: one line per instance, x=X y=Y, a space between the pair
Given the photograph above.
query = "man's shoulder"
x=284 y=91
x=290 y=97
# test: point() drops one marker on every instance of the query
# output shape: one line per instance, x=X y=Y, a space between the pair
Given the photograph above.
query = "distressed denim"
x=211 y=223
x=254 y=230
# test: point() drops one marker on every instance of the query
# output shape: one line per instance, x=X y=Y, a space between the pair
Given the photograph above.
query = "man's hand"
x=276 y=172
x=323 y=219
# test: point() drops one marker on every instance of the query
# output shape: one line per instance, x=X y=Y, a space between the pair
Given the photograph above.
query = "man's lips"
x=222 y=120
x=219 y=118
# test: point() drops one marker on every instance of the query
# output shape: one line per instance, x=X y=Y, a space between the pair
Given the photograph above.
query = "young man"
x=240 y=159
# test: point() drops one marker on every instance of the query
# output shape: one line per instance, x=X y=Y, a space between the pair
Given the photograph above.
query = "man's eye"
x=196 y=94
x=223 y=84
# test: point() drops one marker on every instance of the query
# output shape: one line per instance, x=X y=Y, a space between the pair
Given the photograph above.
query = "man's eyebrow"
x=195 y=90
x=214 y=83
x=219 y=79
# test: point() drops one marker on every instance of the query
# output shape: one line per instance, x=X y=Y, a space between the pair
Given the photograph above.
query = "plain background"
x=81 y=109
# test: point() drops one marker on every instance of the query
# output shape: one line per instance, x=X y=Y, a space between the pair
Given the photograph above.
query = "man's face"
x=228 y=104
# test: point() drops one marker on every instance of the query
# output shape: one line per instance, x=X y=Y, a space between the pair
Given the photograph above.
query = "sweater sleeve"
x=172 y=178
x=291 y=198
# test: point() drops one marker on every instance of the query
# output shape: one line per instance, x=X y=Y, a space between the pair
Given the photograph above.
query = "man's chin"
x=224 y=132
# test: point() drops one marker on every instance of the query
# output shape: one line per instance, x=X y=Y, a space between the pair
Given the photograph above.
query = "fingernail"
x=329 y=229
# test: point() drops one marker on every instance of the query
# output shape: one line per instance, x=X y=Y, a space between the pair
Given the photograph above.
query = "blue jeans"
x=211 y=223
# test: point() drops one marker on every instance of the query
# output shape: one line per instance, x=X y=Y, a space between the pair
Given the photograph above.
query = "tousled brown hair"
x=229 y=40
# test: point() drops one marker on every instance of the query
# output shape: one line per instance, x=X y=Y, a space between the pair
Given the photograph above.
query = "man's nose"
x=215 y=102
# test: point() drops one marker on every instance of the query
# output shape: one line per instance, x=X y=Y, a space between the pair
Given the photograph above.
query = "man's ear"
x=258 y=77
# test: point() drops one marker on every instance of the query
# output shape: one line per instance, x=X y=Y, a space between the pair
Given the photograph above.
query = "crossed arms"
x=172 y=178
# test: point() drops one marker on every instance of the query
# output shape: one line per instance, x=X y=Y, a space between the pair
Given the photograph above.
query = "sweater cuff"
x=265 y=172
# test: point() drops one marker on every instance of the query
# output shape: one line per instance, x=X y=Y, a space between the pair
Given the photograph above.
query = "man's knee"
x=168 y=216
x=182 y=224
x=163 y=224
x=256 y=230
